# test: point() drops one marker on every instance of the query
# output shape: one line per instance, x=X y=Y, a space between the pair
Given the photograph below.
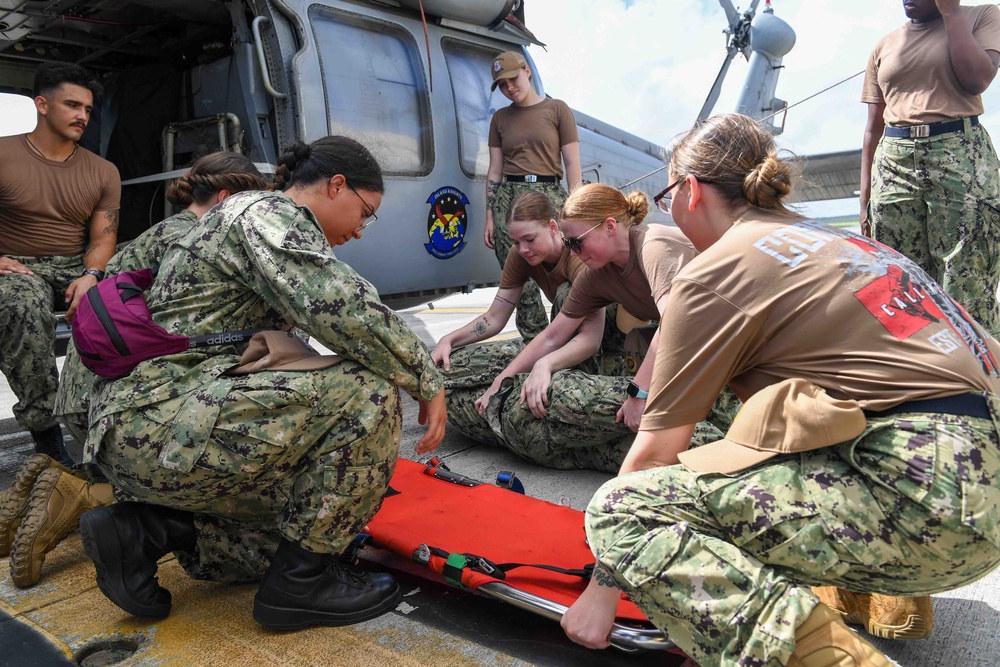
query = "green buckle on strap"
x=452 y=569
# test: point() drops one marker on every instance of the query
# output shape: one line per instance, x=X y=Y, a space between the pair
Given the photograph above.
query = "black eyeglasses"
x=573 y=242
x=662 y=201
x=372 y=218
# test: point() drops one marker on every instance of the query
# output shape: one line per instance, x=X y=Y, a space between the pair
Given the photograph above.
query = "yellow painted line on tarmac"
x=210 y=623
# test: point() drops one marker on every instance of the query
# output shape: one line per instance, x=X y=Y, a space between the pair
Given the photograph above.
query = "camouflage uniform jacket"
x=257 y=260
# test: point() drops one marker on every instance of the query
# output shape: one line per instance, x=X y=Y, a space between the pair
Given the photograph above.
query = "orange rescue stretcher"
x=491 y=540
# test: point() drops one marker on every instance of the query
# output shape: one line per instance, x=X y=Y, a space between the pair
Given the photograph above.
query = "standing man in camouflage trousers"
x=58 y=227
x=928 y=168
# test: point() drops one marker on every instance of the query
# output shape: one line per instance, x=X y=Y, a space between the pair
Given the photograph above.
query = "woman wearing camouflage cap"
x=247 y=468
x=530 y=140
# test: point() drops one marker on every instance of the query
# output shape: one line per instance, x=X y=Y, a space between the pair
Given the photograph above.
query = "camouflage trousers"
x=937 y=201
x=579 y=430
x=27 y=334
x=72 y=400
x=306 y=456
x=721 y=562
x=530 y=316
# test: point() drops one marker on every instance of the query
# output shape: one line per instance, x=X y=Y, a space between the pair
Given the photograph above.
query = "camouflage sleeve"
x=295 y=271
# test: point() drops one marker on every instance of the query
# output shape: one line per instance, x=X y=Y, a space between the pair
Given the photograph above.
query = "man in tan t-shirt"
x=58 y=227
x=928 y=168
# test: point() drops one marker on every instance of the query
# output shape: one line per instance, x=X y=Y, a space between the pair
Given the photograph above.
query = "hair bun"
x=294 y=155
x=637 y=206
x=180 y=192
x=768 y=182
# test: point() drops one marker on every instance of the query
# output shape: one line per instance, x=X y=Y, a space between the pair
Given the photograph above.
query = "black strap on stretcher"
x=455 y=563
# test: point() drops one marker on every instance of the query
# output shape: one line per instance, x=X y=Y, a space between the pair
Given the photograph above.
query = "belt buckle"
x=530 y=178
x=920 y=131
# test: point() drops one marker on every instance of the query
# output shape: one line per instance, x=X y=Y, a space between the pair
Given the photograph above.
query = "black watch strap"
x=97 y=273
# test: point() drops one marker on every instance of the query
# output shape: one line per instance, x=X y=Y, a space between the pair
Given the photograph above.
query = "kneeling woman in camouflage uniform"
x=271 y=473
x=720 y=552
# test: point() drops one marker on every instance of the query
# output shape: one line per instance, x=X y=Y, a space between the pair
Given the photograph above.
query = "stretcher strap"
x=452 y=565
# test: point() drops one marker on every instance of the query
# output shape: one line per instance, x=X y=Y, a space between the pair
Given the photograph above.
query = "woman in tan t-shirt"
x=530 y=141
x=599 y=225
x=875 y=481
x=537 y=253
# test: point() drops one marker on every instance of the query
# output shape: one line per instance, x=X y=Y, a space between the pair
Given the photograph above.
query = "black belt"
x=963 y=405
x=532 y=178
x=931 y=129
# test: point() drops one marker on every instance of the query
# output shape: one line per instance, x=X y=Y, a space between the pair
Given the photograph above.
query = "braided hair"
x=212 y=173
x=305 y=164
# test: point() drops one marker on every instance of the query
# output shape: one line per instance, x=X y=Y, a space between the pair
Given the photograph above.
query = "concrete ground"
x=65 y=619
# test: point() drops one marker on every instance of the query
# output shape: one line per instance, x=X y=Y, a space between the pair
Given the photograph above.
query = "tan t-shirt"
x=656 y=254
x=46 y=206
x=773 y=300
x=532 y=137
x=910 y=70
x=516 y=272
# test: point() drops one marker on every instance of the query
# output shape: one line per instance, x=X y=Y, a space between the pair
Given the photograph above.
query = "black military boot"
x=302 y=589
x=125 y=540
x=50 y=442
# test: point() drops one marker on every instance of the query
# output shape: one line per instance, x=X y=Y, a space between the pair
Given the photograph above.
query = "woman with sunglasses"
x=270 y=472
x=627 y=263
x=720 y=552
x=538 y=254
x=530 y=141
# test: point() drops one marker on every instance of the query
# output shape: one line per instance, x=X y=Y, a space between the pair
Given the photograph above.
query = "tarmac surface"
x=66 y=620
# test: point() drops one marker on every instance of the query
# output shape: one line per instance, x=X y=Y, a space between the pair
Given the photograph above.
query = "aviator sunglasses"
x=573 y=242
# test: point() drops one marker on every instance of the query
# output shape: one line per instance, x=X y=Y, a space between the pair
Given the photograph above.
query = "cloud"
x=647 y=65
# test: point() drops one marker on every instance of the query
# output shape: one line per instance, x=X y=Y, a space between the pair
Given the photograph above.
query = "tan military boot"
x=886 y=616
x=824 y=641
x=57 y=502
x=15 y=504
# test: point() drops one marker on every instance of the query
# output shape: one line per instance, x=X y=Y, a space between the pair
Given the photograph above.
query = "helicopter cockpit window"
x=469 y=72
x=375 y=89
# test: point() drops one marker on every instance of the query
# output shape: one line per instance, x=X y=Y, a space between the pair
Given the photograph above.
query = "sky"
x=647 y=65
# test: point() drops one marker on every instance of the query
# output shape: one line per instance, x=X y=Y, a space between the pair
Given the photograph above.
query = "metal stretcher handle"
x=624 y=638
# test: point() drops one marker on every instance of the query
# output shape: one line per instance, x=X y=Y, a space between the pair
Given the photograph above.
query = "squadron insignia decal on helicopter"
x=446 y=222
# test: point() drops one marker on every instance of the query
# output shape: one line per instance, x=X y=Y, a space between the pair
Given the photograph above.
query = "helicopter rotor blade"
x=713 y=94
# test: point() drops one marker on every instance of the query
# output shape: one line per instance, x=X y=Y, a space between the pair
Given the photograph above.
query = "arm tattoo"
x=112 y=218
x=480 y=326
x=500 y=298
x=492 y=188
x=603 y=577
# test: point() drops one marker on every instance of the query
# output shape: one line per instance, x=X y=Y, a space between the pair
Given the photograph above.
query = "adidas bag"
x=113 y=330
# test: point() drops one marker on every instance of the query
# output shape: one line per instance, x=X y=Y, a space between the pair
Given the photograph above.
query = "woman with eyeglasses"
x=270 y=472
x=530 y=141
x=720 y=552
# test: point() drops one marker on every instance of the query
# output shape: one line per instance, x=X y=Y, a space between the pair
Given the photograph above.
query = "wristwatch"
x=635 y=392
x=93 y=272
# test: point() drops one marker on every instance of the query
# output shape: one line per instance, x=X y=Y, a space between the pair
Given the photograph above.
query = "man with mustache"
x=58 y=228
